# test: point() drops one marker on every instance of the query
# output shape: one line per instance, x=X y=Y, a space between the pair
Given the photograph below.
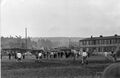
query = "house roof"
x=102 y=37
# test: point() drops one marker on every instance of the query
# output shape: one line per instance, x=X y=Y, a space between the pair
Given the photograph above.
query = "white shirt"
x=79 y=53
x=40 y=54
x=75 y=51
x=52 y=53
x=84 y=54
x=19 y=55
x=106 y=54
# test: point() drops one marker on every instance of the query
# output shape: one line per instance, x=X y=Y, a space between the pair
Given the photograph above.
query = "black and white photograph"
x=60 y=38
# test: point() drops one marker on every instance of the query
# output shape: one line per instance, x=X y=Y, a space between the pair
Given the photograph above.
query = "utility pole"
x=26 y=38
x=69 y=43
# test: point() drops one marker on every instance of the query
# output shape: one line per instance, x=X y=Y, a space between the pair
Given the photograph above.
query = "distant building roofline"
x=102 y=37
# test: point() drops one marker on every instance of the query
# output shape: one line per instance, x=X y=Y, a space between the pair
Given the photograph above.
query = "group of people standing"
x=39 y=55
x=84 y=54
x=18 y=56
x=112 y=54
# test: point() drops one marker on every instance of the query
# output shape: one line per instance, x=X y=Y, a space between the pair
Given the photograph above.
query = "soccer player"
x=84 y=57
x=113 y=55
x=19 y=56
x=39 y=55
x=9 y=55
x=23 y=55
x=106 y=54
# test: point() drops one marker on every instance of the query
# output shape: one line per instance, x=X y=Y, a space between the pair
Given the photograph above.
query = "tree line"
x=19 y=42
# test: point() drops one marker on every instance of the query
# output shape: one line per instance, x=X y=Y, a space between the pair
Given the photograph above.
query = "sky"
x=60 y=18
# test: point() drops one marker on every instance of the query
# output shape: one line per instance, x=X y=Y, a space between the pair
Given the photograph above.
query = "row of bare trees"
x=19 y=42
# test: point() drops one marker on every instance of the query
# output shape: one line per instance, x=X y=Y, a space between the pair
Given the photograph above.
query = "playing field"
x=53 y=68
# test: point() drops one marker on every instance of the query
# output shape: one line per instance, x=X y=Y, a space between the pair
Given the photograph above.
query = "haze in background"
x=60 y=18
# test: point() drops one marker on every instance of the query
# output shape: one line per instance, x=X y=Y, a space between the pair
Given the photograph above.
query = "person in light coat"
x=84 y=57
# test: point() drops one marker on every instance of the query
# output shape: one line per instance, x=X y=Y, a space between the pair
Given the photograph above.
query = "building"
x=100 y=44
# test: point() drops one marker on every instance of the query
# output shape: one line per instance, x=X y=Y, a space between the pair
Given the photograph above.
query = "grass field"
x=53 y=68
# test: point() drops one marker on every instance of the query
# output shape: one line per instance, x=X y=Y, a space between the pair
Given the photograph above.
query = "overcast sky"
x=64 y=18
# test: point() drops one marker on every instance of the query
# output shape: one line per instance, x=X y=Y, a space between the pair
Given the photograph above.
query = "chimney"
x=101 y=36
x=91 y=36
x=115 y=35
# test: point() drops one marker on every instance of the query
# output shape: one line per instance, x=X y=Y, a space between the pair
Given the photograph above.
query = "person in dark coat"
x=114 y=56
x=9 y=56
x=36 y=55
x=15 y=55
x=23 y=55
